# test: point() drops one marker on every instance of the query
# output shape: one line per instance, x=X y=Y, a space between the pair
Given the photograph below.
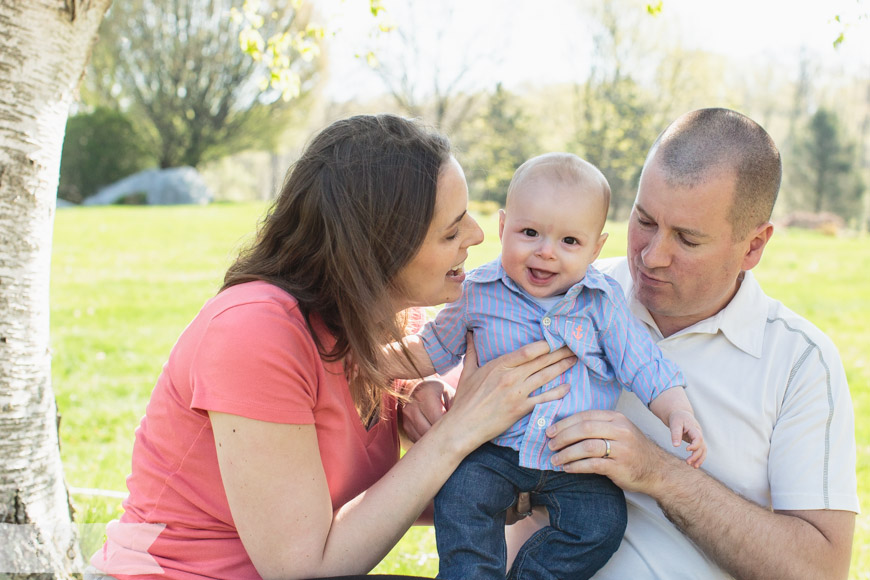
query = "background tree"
x=179 y=68
x=685 y=77
x=44 y=45
x=99 y=148
x=615 y=136
x=826 y=163
x=498 y=142
x=424 y=71
x=614 y=120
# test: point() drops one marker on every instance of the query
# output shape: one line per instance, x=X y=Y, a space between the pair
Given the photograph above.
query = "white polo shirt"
x=770 y=393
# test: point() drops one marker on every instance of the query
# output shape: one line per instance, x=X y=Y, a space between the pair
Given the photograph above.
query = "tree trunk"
x=44 y=45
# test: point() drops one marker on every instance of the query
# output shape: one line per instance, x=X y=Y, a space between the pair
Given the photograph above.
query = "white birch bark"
x=44 y=46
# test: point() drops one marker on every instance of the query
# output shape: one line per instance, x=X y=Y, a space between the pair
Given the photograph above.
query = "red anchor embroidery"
x=578 y=332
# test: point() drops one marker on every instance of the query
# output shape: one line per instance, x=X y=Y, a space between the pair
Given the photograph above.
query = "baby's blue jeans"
x=587 y=520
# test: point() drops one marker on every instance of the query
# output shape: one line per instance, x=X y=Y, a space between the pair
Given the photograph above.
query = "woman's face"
x=435 y=275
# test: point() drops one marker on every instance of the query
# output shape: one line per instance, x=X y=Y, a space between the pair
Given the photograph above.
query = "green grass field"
x=127 y=280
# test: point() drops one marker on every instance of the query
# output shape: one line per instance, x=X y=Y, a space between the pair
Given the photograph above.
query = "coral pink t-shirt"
x=248 y=352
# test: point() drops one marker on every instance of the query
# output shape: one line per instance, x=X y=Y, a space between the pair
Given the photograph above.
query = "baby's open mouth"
x=540 y=275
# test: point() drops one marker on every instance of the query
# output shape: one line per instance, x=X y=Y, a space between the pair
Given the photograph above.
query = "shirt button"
x=546 y=321
x=541 y=422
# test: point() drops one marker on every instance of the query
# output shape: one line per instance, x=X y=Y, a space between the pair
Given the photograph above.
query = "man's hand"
x=633 y=462
x=429 y=400
x=520 y=510
x=723 y=524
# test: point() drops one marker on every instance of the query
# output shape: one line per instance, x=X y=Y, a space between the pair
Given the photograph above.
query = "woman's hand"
x=429 y=400
x=432 y=398
x=491 y=398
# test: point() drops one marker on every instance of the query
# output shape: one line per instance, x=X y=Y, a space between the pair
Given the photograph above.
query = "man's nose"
x=656 y=253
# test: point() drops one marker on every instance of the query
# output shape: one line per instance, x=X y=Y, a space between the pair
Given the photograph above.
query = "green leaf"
x=655 y=8
x=251 y=41
x=376 y=7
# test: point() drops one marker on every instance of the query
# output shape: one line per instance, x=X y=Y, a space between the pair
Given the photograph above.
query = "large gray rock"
x=177 y=185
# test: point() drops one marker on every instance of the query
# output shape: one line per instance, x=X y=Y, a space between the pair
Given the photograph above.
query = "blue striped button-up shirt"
x=592 y=318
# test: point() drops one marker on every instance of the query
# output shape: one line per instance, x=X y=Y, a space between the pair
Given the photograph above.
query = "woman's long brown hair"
x=353 y=211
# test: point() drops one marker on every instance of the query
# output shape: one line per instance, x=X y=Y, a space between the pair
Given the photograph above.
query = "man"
x=777 y=495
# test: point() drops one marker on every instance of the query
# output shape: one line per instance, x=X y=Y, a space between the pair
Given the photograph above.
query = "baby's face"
x=550 y=232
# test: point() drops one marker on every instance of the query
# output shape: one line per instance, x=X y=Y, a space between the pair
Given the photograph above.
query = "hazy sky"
x=545 y=40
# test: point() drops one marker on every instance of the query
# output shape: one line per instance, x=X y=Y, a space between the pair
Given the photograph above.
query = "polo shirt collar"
x=743 y=321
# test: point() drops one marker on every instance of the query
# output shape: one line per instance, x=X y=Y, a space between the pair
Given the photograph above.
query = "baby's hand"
x=684 y=427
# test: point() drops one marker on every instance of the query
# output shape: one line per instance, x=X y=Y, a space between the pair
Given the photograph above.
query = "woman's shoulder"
x=256 y=310
x=253 y=295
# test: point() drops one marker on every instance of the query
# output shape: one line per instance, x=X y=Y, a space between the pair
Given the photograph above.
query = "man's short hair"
x=701 y=144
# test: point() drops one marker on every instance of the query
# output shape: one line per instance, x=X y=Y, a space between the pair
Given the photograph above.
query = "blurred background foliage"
x=171 y=84
x=100 y=148
x=183 y=87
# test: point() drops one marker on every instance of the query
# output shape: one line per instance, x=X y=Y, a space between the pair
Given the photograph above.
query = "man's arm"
x=749 y=541
x=743 y=538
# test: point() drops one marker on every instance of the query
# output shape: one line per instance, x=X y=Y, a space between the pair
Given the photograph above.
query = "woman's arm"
x=396 y=365
x=277 y=489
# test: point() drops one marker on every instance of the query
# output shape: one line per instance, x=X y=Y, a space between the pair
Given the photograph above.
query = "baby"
x=543 y=286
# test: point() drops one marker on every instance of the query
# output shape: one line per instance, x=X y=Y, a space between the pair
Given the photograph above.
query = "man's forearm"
x=749 y=541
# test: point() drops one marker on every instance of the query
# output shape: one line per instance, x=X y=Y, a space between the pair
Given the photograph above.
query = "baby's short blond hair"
x=566 y=169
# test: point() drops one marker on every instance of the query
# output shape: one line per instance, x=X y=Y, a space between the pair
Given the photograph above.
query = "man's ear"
x=501 y=217
x=756 y=243
x=599 y=245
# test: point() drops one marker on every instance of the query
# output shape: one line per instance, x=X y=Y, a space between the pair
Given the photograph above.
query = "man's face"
x=683 y=260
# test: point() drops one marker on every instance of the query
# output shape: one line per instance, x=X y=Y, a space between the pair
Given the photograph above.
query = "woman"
x=269 y=447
